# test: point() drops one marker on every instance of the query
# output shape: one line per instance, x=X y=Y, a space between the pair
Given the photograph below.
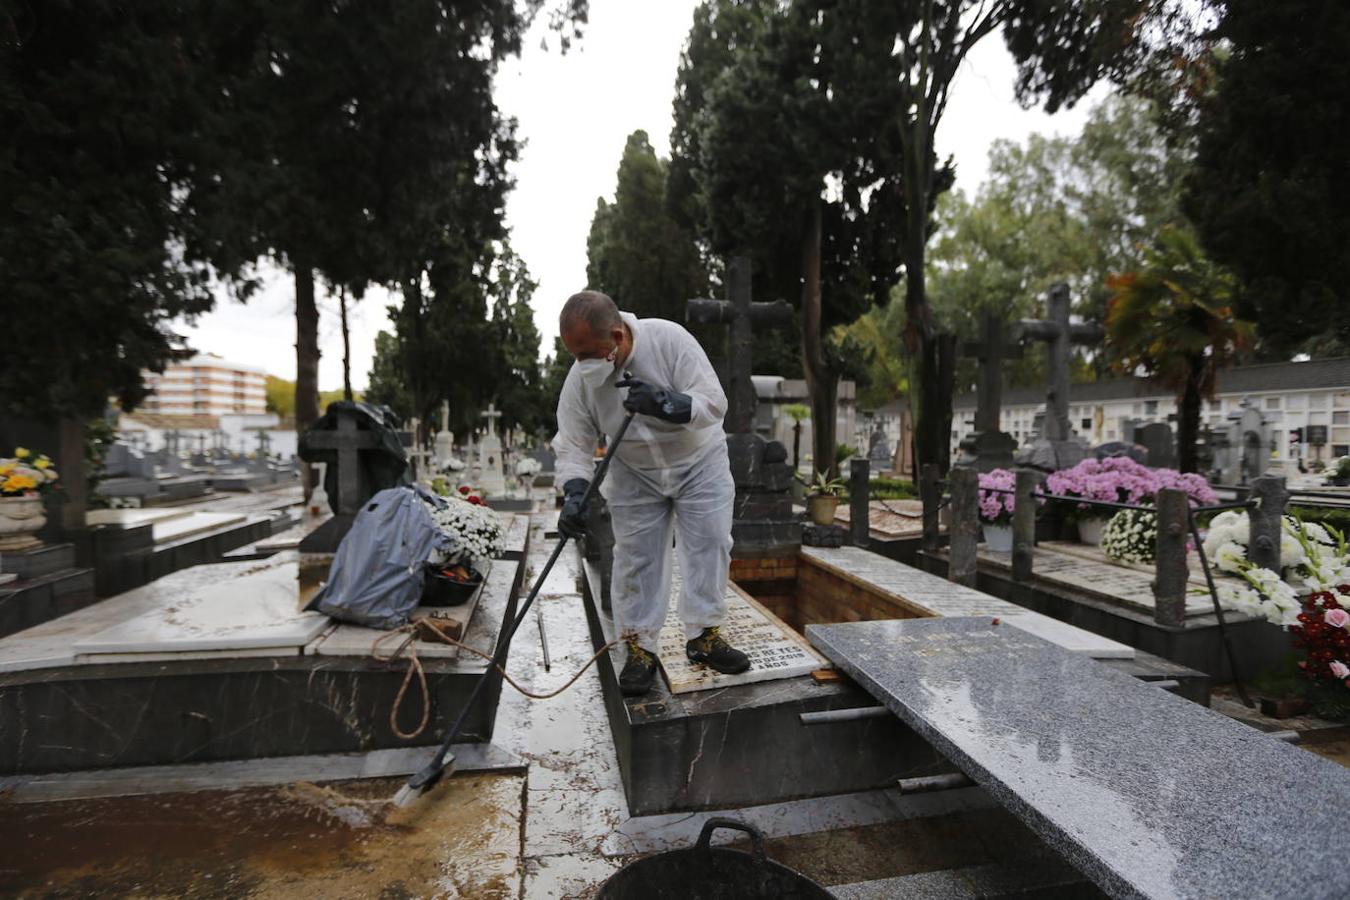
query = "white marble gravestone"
x=445 y=441
x=775 y=650
x=491 y=479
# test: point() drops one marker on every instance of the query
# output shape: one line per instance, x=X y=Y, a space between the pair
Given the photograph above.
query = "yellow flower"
x=6 y=468
x=42 y=463
x=20 y=483
x=21 y=452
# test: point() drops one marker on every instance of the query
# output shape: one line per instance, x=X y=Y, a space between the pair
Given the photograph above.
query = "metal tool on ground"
x=444 y=760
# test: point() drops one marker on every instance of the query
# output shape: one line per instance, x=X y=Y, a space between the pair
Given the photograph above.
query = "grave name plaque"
x=1146 y=793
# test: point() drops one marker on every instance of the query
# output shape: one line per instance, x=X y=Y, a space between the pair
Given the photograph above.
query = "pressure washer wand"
x=429 y=775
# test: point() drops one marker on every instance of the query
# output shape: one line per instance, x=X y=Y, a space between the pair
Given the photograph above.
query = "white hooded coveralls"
x=663 y=476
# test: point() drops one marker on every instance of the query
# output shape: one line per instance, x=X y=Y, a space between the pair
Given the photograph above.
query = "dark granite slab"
x=1148 y=794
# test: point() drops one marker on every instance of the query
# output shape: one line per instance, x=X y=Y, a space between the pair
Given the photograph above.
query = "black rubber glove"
x=572 y=520
x=658 y=402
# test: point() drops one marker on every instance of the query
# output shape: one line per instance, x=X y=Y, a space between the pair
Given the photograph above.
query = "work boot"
x=638 y=673
x=711 y=649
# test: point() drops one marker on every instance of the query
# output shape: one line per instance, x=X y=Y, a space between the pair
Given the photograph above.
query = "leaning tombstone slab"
x=1146 y=793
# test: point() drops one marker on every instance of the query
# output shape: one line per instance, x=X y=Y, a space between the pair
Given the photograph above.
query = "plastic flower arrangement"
x=1131 y=536
x=1120 y=479
x=996 y=507
x=477 y=531
x=471 y=494
x=26 y=475
x=527 y=466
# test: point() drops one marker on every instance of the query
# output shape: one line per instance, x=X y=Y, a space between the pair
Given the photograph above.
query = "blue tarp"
x=376 y=576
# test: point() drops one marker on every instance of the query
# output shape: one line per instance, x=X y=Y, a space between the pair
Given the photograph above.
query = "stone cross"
x=740 y=314
x=492 y=415
x=171 y=441
x=991 y=350
x=1059 y=334
x=348 y=441
x=264 y=443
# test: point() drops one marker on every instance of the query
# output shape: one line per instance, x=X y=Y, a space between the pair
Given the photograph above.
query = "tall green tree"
x=1173 y=322
x=853 y=92
x=786 y=114
x=374 y=151
x=637 y=252
x=519 y=376
x=386 y=386
x=1268 y=192
x=95 y=102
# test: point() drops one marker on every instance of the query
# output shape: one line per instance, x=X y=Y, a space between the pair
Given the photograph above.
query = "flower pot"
x=442 y=590
x=1090 y=531
x=998 y=537
x=821 y=508
x=20 y=519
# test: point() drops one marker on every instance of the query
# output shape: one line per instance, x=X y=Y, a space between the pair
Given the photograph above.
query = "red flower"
x=464 y=489
x=475 y=500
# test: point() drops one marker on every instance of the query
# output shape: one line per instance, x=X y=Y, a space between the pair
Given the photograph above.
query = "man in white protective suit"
x=669 y=478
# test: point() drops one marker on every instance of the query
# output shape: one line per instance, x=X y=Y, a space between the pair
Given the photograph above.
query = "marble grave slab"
x=1101 y=579
x=1146 y=793
x=775 y=650
x=261 y=609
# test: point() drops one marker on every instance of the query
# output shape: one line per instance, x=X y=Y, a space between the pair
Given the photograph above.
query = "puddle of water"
x=461 y=839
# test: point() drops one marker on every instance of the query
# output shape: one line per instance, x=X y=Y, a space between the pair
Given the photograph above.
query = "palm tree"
x=1171 y=321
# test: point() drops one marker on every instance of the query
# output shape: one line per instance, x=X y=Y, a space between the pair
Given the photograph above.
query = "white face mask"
x=595 y=372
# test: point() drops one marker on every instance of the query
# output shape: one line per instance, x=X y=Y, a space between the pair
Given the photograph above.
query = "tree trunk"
x=346 y=347
x=306 y=362
x=1188 y=415
x=821 y=384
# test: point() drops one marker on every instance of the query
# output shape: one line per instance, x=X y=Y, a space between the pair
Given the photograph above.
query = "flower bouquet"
x=996 y=508
x=1131 y=535
x=26 y=475
x=24 y=479
x=476 y=532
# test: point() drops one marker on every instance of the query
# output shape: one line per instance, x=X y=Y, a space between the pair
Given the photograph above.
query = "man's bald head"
x=591 y=328
x=591 y=310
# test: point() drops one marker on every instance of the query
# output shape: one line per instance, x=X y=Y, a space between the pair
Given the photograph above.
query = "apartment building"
x=206 y=385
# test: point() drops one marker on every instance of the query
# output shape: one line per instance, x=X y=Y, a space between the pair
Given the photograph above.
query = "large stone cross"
x=1059 y=336
x=740 y=313
x=991 y=350
x=348 y=441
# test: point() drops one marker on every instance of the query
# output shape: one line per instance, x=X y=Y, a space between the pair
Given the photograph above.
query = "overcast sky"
x=575 y=112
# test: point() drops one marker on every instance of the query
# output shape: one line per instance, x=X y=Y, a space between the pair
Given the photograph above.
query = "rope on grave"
x=428 y=629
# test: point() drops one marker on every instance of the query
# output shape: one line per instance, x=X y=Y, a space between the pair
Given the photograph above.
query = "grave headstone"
x=445 y=440
x=988 y=447
x=763 y=522
x=1057 y=447
x=1161 y=444
x=491 y=477
x=879 y=448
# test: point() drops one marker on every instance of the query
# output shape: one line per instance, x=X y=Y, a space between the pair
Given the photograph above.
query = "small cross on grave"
x=1057 y=448
x=740 y=313
x=989 y=447
x=264 y=443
